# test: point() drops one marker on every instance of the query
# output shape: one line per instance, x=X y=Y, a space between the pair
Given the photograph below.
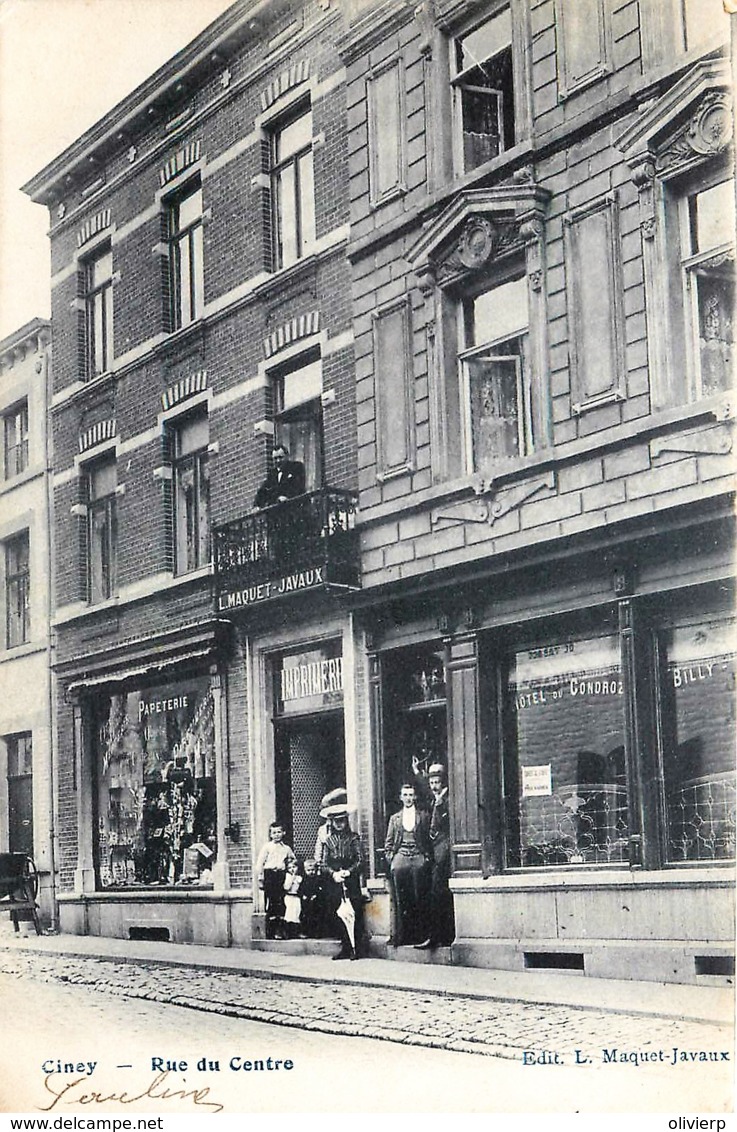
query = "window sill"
x=30 y=473
x=715 y=874
x=663 y=421
x=17 y=652
x=138 y=591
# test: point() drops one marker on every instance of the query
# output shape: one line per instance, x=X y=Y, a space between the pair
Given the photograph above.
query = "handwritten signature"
x=156 y=1091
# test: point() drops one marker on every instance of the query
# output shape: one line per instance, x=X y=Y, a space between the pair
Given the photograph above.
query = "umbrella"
x=346 y=913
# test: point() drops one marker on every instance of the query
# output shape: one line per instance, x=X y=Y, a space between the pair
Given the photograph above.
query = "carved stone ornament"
x=498 y=502
x=476 y=243
x=480 y=241
x=708 y=132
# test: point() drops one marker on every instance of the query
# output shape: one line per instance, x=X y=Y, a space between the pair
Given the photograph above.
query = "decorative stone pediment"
x=477 y=228
x=689 y=124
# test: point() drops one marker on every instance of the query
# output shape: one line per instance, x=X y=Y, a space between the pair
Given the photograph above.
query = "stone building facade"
x=473 y=264
x=26 y=736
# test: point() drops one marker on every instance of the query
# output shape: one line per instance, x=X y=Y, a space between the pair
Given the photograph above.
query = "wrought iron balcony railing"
x=303 y=544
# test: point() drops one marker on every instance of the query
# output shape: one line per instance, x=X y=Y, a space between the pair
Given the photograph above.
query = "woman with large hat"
x=340 y=858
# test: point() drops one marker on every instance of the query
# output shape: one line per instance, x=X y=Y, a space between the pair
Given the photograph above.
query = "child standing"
x=275 y=858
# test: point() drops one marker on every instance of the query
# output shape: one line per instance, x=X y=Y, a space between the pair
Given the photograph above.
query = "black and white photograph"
x=367 y=557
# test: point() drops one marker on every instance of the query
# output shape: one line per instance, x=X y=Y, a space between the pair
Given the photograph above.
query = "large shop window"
x=483 y=86
x=698 y=713
x=415 y=721
x=565 y=779
x=156 y=803
x=495 y=376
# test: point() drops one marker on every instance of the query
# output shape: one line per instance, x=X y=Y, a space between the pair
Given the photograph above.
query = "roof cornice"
x=235 y=25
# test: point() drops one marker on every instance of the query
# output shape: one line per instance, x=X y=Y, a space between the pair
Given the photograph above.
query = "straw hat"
x=334 y=802
x=436 y=768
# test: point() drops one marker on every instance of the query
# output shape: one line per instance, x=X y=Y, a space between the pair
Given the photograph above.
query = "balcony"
x=307 y=543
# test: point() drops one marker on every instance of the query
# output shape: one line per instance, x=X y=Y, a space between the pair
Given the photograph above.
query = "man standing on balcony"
x=285 y=480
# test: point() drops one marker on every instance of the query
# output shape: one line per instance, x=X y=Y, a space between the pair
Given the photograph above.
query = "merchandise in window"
x=698 y=713
x=98 y=274
x=20 y=793
x=192 y=494
x=17 y=591
x=483 y=85
x=565 y=779
x=102 y=535
x=494 y=375
x=415 y=721
x=184 y=221
x=709 y=218
x=292 y=189
x=156 y=798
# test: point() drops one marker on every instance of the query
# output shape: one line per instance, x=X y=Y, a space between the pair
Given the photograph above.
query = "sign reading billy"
x=155 y=763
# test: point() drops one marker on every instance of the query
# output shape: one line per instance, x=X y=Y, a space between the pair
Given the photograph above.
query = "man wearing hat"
x=338 y=853
x=442 y=916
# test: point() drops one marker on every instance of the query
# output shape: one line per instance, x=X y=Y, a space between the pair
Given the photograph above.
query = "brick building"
x=542 y=244
x=26 y=750
x=473 y=263
x=201 y=312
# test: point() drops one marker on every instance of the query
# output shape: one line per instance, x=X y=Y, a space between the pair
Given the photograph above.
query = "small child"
x=313 y=914
x=292 y=902
x=271 y=870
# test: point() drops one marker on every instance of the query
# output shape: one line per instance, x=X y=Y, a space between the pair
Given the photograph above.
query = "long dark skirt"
x=410 y=898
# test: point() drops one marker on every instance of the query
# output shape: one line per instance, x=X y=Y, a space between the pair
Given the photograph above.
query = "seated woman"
x=407 y=850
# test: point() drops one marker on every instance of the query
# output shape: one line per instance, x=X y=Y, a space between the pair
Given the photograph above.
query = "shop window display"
x=565 y=780
x=156 y=801
x=415 y=734
x=698 y=713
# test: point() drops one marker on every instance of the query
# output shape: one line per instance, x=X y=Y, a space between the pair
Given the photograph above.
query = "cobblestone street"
x=452 y=1022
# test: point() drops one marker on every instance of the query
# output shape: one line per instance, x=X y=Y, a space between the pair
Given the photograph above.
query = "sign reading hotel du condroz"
x=232 y=598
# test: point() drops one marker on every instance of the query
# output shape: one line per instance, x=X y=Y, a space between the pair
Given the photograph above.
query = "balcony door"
x=299 y=416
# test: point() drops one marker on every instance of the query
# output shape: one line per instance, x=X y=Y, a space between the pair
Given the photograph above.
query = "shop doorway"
x=309 y=761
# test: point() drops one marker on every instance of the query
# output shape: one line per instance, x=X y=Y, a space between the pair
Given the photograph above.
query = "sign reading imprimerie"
x=254 y=595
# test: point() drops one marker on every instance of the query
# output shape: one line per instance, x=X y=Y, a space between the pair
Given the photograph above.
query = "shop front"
x=587 y=720
x=148 y=795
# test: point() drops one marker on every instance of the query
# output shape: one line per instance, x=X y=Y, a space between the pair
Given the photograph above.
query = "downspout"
x=51 y=684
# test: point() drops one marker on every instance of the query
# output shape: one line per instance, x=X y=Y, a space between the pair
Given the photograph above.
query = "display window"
x=415 y=721
x=156 y=815
x=565 y=779
x=698 y=723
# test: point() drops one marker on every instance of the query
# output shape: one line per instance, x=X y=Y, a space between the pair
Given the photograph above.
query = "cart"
x=19 y=888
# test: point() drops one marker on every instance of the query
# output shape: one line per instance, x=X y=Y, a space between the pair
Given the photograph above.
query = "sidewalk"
x=658 y=1000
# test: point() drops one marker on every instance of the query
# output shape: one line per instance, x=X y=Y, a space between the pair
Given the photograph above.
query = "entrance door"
x=310 y=760
x=20 y=794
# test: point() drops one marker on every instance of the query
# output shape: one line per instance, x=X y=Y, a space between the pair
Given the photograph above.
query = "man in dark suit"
x=285 y=480
x=407 y=851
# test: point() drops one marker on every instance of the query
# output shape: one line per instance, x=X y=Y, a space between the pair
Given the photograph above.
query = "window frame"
x=488 y=351
x=107 y=506
x=17 y=591
x=198 y=460
x=98 y=313
x=689 y=270
x=309 y=410
x=18 y=412
x=277 y=167
x=191 y=236
x=456 y=85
